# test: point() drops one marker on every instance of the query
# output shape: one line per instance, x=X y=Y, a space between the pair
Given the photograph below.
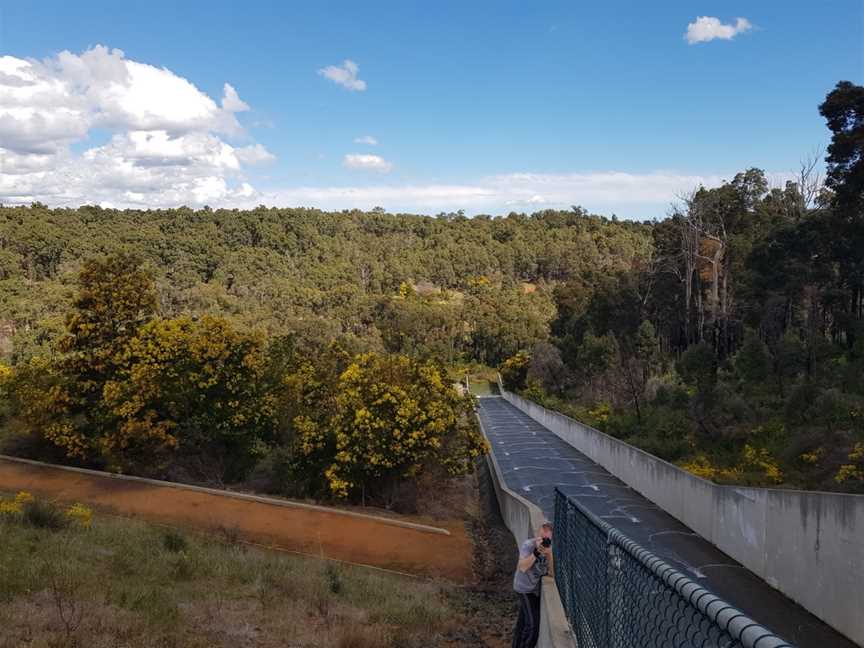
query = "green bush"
x=44 y=515
x=174 y=541
x=514 y=371
x=675 y=396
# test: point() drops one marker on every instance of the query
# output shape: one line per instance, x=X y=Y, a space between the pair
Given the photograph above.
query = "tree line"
x=736 y=347
x=726 y=336
x=194 y=398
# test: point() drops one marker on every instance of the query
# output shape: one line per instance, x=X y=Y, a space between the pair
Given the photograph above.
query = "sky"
x=489 y=107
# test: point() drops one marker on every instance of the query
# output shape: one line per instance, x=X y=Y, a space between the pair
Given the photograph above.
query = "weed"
x=68 y=603
x=181 y=567
x=155 y=604
x=322 y=603
x=333 y=576
x=44 y=515
x=274 y=588
x=174 y=541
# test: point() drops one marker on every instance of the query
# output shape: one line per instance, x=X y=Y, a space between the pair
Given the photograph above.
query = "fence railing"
x=618 y=595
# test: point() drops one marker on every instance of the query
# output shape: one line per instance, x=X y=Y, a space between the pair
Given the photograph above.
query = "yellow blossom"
x=80 y=514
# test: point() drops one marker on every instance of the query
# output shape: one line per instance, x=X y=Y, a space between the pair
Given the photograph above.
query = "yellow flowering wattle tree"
x=394 y=417
x=60 y=400
x=131 y=391
x=199 y=386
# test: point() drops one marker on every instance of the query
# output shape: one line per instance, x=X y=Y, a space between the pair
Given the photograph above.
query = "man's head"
x=545 y=530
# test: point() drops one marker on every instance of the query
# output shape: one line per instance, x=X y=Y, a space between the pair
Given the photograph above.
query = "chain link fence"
x=618 y=595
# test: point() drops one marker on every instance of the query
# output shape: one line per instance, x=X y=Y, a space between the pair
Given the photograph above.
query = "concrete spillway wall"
x=809 y=545
x=523 y=518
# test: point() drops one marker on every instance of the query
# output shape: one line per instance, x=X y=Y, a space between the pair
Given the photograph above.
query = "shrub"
x=851 y=474
x=698 y=366
x=514 y=371
x=44 y=515
x=392 y=418
x=665 y=433
x=546 y=367
x=753 y=362
x=761 y=464
x=174 y=541
x=671 y=394
x=700 y=466
x=81 y=515
x=15 y=506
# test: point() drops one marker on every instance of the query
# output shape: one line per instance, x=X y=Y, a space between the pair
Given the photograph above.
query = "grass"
x=124 y=582
x=483 y=387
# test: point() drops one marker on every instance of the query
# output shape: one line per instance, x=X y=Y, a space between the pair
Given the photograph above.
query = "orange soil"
x=353 y=539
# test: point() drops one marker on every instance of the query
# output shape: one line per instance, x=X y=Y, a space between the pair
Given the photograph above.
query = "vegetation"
x=313 y=351
x=123 y=582
x=449 y=286
x=736 y=347
x=133 y=391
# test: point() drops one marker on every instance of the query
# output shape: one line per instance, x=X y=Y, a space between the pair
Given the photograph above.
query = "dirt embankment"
x=352 y=538
x=478 y=554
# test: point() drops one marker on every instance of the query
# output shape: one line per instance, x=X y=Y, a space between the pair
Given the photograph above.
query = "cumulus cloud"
x=367 y=162
x=169 y=142
x=366 y=139
x=345 y=75
x=707 y=28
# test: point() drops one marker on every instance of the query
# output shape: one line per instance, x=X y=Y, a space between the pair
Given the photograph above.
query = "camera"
x=546 y=542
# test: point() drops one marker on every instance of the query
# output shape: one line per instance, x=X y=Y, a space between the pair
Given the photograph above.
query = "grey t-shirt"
x=528 y=582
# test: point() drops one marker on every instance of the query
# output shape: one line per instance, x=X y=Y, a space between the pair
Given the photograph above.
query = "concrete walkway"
x=534 y=461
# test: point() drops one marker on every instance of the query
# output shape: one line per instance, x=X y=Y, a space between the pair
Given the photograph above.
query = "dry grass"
x=126 y=583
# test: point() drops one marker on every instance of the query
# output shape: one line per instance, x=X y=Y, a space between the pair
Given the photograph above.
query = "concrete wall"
x=523 y=519
x=809 y=545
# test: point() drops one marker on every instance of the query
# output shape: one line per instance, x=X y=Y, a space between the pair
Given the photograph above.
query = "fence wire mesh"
x=618 y=595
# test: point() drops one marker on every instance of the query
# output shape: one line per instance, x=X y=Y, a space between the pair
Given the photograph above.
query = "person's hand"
x=539 y=548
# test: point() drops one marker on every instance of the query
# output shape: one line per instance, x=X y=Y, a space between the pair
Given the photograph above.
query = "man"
x=535 y=561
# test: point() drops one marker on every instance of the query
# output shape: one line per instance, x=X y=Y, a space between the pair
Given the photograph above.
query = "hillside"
x=323 y=274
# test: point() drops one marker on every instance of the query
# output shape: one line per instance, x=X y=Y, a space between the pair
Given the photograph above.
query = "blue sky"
x=487 y=106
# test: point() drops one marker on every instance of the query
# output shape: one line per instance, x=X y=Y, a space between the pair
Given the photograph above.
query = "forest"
x=313 y=353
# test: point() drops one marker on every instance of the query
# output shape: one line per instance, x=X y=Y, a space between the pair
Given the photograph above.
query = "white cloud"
x=254 y=154
x=630 y=195
x=167 y=141
x=171 y=144
x=367 y=162
x=231 y=101
x=366 y=139
x=345 y=75
x=707 y=28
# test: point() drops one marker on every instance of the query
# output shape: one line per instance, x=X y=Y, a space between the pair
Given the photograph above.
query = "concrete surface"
x=523 y=518
x=534 y=458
